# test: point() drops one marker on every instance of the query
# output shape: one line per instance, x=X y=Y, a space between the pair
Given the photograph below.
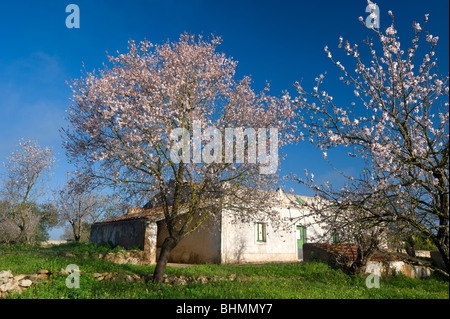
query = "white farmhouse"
x=222 y=241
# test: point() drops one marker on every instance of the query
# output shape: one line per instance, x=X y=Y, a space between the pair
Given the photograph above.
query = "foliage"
x=21 y=186
x=397 y=128
x=424 y=243
x=79 y=204
x=44 y=217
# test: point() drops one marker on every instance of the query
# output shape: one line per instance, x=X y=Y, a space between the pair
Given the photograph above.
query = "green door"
x=301 y=239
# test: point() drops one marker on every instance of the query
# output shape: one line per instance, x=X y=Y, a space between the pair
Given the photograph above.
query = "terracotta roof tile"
x=152 y=213
x=155 y=214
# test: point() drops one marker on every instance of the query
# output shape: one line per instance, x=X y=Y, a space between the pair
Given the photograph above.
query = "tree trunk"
x=167 y=246
x=442 y=241
x=359 y=266
x=76 y=231
x=443 y=248
x=410 y=246
x=21 y=234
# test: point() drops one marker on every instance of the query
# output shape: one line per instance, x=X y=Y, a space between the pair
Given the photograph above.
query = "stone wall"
x=391 y=267
x=127 y=233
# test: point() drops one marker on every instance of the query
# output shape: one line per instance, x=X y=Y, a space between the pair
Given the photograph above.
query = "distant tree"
x=26 y=172
x=48 y=221
x=46 y=218
x=41 y=219
x=400 y=133
x=84 y=234
x=131 y=124
x=79 y=204
x=8 y=229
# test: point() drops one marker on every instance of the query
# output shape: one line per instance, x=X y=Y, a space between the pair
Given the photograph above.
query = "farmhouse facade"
x=219 y=241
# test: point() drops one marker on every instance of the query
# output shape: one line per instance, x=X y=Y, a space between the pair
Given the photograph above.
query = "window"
x=335 y=237
x=261 y=232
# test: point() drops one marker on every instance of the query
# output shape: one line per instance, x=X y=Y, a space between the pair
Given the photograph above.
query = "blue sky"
x=276 y=41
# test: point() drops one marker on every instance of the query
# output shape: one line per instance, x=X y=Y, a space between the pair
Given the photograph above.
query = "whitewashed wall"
x=239 y=240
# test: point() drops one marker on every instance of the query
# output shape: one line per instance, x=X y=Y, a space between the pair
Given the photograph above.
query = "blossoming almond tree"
x=78 y=202
x=26 y=172
x=127 y=120
x=398 y=127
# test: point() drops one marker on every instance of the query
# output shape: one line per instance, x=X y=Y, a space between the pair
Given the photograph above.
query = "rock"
x=178 y=281
x=25 y=283
x=108 y=257
x=13 y=284
x=132 y=260
x=109 y=276
x=118 y=277
x=116 y=258
x=232 y=277
x=132 y=278
x=130 y=257
x=214 y=278
x=202 y=279
x=98 y=276
x=5 y=276
x=64 y=272
x=38 y=277
x=137 y=278
x=19 y=277
x=43 y=271
x=10 y=285
x=182 y=281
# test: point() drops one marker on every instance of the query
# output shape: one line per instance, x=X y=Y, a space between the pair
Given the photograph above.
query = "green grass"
x=309 y=280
